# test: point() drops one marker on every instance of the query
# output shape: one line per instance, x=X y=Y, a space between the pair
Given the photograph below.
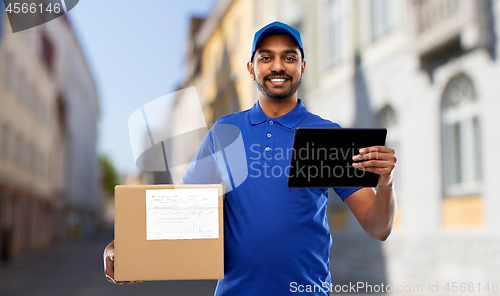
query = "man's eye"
x=265 y=58
x=290 y=59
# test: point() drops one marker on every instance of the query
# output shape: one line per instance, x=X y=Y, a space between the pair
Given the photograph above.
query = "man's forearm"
x=381 y=215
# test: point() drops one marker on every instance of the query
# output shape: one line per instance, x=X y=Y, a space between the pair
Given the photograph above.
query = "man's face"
x=277 y=66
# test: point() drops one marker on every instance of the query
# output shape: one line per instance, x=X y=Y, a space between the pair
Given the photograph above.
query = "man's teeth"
x=277 y=80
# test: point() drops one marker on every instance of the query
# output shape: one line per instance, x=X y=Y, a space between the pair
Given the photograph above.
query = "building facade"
x=78 y=109
x=48 y=118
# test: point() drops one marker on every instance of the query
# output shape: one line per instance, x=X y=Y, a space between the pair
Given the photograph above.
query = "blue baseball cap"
x=276 y=28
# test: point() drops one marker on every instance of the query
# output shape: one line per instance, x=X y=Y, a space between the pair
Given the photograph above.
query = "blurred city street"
x=87 y=94
x=75 y=268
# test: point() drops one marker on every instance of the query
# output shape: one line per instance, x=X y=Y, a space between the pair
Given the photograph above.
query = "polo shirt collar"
x=289 y=120
x=257 y=115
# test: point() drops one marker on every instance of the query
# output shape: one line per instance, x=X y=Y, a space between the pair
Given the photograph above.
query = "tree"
x=109 y=177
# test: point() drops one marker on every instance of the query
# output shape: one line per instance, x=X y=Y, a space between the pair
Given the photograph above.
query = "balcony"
x=444 y=27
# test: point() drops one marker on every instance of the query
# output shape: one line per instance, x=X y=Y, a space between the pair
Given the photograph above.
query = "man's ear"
x=303 y=67
x=250 y=70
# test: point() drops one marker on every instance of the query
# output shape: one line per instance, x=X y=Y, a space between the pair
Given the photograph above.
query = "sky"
x=135 y=50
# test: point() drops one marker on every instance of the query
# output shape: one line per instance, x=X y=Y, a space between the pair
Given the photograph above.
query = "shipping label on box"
x=182 y=213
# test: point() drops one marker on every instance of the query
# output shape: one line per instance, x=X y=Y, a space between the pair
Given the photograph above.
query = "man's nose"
x=277 y=65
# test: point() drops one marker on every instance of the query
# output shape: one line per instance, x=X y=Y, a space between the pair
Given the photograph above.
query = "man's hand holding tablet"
x=380 y=160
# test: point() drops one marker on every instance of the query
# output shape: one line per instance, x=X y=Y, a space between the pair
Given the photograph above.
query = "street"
x=76 y=268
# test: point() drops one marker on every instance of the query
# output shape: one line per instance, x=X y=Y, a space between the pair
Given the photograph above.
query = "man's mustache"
x=277 y=75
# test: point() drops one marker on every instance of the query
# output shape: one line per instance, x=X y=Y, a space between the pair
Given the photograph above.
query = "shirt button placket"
x=268 y=149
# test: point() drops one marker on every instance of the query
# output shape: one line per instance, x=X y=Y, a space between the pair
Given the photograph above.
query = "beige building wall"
x=28 y=131
x=48 y=107
x=79 y=113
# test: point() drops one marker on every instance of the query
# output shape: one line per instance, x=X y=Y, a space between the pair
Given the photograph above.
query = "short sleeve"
x=343 y=193
x=203 y=168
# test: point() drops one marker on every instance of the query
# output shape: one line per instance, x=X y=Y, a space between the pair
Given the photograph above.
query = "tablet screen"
x=322 y=157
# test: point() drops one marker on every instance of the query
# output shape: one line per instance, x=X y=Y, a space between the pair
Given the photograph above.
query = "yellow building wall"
x=239 y=31
x=464 y=211
x=338 y=219
x=235 y=32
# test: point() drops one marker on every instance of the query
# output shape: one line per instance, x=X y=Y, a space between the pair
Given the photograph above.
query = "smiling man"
x=281 y=84
x=277 y=239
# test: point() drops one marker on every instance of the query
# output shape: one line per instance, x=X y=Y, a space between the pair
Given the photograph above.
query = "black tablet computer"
x=322 y=157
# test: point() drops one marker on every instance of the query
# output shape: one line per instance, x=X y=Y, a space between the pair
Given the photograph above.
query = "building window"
x=38 y=164
x=5 y=141
x=461 y=128
x=21 y=86
x=383 y=17
x=337 y=31
x=386 y=118
x=9 y=72
x=30 y=158
x=48 y=52
x=45 y=111
x=45 y=167
x=2 y=67
x=2 y=140
x=30 y=98
x=18 y=151
x=62 y=115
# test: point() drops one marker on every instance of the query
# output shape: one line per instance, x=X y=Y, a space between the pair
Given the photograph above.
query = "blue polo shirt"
x=276 y=238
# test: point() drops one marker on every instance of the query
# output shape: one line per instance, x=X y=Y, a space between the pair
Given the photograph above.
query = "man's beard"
x=277 y=97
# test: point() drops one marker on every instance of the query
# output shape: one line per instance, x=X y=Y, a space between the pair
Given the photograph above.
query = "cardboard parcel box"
x=167 y=232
